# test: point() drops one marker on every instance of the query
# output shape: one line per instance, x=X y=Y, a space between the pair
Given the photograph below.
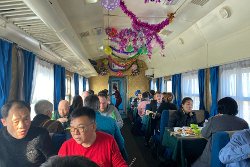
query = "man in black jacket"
x=20 y=144
x=43 y=109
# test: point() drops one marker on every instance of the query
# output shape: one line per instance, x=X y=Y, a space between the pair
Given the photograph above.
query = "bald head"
x=63 y=108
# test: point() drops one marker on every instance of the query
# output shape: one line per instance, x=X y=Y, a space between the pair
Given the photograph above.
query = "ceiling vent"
x=199 y=2
x=166 y=32
x=84 y=34
x=171 y=2
x=97 y=31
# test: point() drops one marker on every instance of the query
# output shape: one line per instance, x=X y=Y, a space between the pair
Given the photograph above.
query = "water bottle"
x=205 y=123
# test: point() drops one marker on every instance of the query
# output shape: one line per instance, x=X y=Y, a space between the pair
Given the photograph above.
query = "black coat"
x=166 y=106
x=180 y=119
x=44 y=121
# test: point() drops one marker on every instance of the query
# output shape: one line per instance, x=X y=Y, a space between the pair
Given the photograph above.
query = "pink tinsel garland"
x=153 y=27
x=150 y=31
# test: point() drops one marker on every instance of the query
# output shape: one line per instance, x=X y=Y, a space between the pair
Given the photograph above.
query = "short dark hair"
x=152 y=92
x=145 y=95
x=103 y=94
x=227 y=105
x=91 y=92
x=19 y=104
x=185 y=99
x=83 y=111
x=92 y=101
x=157 y=92
x=69 y=161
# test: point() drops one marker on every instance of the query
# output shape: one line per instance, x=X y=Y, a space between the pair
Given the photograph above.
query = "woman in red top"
x=118 y=98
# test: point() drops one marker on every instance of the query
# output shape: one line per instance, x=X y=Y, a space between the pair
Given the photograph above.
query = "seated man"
x=237 y=151
x=69 y=161
x=43 y=109
x=109 y=110
x=97 y=146
x=20 y=144
x=103 y=123
x=62 y=115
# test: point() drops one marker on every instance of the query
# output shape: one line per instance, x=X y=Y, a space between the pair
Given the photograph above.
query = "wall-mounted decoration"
x=135 y=70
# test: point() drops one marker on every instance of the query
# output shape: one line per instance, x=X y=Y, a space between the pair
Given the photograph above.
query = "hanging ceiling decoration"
x=140 y=37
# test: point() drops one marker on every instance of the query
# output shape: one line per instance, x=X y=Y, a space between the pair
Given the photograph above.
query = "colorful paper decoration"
x=107 y=50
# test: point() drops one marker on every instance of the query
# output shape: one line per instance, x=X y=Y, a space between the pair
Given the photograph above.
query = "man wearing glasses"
x=97 y=146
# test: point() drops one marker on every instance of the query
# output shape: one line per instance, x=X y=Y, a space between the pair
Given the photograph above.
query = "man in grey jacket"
x=226 y=120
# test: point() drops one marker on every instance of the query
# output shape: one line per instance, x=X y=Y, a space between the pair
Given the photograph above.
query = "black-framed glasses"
x=80 y=128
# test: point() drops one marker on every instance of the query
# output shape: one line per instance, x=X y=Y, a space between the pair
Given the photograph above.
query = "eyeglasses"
x=81 y=128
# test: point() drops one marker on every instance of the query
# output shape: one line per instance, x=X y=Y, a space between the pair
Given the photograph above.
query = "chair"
x=147 y=107
x=200 y=116
x=57 y=140
x=165 y=115
x=219 y=140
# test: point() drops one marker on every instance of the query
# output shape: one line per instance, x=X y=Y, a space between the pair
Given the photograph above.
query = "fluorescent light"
x=91 y=1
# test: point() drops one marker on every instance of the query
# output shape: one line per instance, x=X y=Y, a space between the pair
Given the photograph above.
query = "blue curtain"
x=179 y=97
x=63 y=83
x=201 y=80
x=84 y=83
x=5 y=71
x=214 y=81
x=59 y=85
x=151 y=84
x=76 y=80
x=160 y=84
x=157 y=84
x=176 y=89
x=29 y=62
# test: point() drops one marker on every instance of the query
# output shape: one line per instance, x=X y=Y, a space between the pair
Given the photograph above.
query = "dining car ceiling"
x=203 y=33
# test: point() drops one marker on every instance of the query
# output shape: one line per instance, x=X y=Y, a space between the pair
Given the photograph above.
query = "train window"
x=72 y=88
x=234 y=82
x=68 y=88
x=190 y=87
x=87 y=84
x=43 y=83
x=80 y=85
x=169 y=86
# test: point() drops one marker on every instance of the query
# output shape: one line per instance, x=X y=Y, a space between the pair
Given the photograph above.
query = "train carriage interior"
x=58 y=49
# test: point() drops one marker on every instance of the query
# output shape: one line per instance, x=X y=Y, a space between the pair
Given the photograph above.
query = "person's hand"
x=218 y=115
x=62 y=120
x=153 y=115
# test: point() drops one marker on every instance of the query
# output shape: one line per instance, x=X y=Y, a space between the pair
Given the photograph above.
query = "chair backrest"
x=165 y=115
x=200 y=115
x=219 y=140
x=171 y=112
x=147 y=107
x=163 y=122
x=57 y=140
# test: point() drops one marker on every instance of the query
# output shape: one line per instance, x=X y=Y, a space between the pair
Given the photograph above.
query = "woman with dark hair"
x=77 y=103
x=184 y=116
x=118 y=98
x=226 y=120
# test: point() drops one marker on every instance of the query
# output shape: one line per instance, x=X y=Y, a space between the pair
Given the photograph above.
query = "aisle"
x=136 y=149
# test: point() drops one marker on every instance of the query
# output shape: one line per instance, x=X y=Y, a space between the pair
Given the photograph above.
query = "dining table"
x=185 y=148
